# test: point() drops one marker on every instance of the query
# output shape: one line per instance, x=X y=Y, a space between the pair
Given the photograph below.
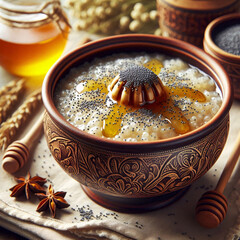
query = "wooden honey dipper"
x=212 y=206
x=136 y=86
x=17 y=153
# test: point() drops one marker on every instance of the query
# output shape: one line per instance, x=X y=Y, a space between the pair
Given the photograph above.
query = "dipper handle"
x=212 y=206
x=228 y=169
x=17 y=152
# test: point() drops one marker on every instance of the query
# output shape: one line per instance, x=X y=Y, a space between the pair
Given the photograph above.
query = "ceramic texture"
x=229 y=61
x=125 y=175
x=187 y=19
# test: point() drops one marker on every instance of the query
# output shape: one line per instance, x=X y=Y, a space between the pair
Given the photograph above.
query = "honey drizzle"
x=112 y=123
x=154 y=65
x=172 y=113
x=92 y=85
x=183 y=91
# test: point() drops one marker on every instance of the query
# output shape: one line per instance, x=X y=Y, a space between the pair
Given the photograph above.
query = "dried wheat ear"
x=12 y=125
x=9 y=97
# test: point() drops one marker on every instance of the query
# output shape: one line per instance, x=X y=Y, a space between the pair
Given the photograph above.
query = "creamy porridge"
x=84 y=99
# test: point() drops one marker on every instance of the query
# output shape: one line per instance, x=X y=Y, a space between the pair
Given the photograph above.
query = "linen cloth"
x=84 y=219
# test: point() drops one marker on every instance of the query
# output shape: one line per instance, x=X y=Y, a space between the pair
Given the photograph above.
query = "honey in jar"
x=32 y=36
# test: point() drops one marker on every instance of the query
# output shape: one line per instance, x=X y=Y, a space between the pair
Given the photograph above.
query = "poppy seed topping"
x=137 y=75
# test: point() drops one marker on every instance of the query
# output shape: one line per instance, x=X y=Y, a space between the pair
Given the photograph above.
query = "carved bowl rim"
x=185 y=50
x=209 y=44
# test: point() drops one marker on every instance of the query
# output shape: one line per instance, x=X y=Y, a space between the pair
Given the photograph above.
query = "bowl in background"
x=136 y=176
x=230 y=61
x=187 y=19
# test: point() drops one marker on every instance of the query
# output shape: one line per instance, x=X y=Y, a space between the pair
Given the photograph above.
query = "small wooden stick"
x=212 y=206
x=17 y=153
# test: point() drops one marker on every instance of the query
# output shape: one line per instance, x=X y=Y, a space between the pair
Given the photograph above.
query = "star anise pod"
x=52 y=201
x=30 y=184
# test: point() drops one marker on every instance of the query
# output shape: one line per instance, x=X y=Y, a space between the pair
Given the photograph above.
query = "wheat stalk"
x=5 y=89
x=11 y=127
x=9 y=96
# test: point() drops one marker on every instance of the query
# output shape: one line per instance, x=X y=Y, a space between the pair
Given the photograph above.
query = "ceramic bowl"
x=140 y=176
x=187 y=19
x=230 y=61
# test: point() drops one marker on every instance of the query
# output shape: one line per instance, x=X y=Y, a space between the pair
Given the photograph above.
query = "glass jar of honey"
x=33 y=35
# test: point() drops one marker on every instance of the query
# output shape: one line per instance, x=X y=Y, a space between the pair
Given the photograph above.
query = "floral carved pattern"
x=135 y=174
x=65 y=152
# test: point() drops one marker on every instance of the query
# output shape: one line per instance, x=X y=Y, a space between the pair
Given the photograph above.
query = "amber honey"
x=31 y=52
x=33 y=35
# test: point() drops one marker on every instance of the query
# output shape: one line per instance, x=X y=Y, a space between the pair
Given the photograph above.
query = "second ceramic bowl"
x=222 y=27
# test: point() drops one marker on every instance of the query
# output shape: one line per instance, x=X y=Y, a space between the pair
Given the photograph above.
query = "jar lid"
x=28 y=14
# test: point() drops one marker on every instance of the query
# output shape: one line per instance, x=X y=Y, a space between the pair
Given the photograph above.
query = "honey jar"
x=33 y=35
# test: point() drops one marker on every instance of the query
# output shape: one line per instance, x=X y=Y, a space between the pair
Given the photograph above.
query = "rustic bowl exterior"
x=135 y=176
x=187 y=19
x=229 y=61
